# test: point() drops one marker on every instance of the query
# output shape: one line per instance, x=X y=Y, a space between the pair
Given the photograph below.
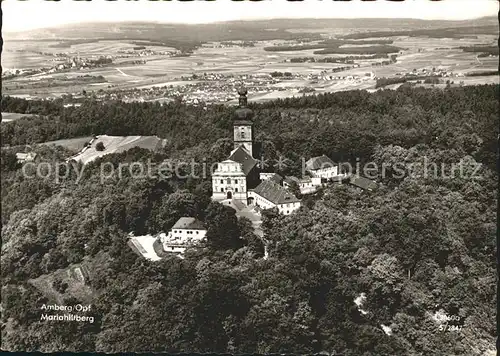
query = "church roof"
x=275 y=193
x=242 y=156
x=363 y=183
x=276 y=178
x=189 y=223
x=242 y=122
x=320 y=162
x=243 y=114
x=290 y=179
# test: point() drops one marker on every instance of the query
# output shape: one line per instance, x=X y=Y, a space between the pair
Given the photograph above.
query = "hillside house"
x=186 y=232
x=322 y=167
x=274 y=177
x=306 y=185
x=26 y=157
x=268 y=195
x=362 y=183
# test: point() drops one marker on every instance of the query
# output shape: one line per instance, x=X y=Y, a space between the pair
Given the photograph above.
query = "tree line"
x=414 y=246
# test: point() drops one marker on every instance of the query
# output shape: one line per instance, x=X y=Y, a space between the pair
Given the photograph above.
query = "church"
x=237 y=178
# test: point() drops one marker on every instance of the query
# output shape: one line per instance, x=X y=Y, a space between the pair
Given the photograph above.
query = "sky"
x=31 y=14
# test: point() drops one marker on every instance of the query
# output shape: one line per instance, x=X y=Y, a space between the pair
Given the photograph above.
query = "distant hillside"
x=180 y=36
x=448 y=32
x=187 y=37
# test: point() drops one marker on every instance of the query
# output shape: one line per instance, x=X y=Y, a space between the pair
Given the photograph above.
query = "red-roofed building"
x=322 y=167
x=186 y=232
x=268 y=195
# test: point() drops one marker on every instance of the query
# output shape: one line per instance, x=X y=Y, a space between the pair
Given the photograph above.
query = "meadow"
x=71 y=144
x=11 y=116
x=117 y=144
x=159 y=70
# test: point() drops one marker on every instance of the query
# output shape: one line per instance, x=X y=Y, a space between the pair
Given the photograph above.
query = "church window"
x=222 y=190
x=236 y=190
x=235 y=181
x=242 y=133
x=222 y=181
x=229 y=181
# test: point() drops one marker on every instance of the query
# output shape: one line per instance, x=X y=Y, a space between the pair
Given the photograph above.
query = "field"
x=416 y=52
x=73 y=144
x=143 y=245
x=117 y=144
x=11 y=116
x=72 y=276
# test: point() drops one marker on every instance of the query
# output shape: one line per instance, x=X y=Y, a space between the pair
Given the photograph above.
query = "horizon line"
x=243 y=20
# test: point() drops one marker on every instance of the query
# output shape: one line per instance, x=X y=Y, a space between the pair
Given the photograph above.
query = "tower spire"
x=242 y=124
x=243 y=97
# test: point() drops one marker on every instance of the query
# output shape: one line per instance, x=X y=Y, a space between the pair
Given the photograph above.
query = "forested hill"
x=345 y=125
x=417 y=247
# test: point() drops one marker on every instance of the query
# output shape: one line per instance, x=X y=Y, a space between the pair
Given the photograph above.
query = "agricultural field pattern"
x=273 y=58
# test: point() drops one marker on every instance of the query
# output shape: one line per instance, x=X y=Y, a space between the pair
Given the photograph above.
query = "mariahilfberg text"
x=68 y=316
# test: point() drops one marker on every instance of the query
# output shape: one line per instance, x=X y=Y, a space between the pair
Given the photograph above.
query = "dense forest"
x=373 y=47
x=346 y=59
x=184 y=37
x=369 y=50
x=416 y=245
x=486 y=50
x=450 y=32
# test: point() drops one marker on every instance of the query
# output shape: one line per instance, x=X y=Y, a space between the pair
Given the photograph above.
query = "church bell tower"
x=243 y=124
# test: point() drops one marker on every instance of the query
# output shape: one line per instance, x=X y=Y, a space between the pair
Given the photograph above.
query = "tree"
x=180 y=204
x=252 y=241
x=295 y=189
x=220 y=149
x=222 y=226
x=100 y=146
x=8 y=161
x=59 y=285
x=418 y=244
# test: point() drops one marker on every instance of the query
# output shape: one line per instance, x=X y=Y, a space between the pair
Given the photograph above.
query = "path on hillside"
x=248 y=212
x=124 y=74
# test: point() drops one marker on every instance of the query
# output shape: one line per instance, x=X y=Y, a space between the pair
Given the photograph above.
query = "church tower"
x=243 y=124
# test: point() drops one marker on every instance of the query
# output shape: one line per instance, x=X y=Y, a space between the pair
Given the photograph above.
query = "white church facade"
x=229 y=181
x=238 y=178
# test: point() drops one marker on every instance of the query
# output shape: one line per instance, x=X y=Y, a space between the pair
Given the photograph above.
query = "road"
x=248 y=212
x=124 y=74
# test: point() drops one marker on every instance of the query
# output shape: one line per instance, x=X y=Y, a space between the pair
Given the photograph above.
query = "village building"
x=322 y=167
x=362 y=183
x=269 y=195
x=26 y=157
x=274 y=177
x=186 y=232
x=306 y=185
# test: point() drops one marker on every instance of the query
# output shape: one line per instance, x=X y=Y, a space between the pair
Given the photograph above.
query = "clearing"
x=118 y=144
x=11 y=116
